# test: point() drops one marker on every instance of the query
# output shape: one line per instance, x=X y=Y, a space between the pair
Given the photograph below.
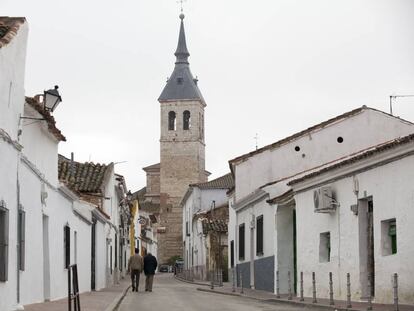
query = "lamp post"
x=51 y=99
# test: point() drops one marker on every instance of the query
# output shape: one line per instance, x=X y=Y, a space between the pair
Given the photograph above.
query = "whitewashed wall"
x=8 y=193
x=12 y=69
x=34 y=135
x=360 y=131
x=198 y=201
x=392 y=192
x=366 y=129
x=12 y=94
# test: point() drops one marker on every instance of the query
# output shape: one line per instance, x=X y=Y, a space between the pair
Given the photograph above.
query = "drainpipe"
x=252 y=246
x=18 y=305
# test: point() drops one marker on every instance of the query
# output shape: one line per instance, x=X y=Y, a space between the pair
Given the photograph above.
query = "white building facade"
x=45 y=225
x=13 y=42
x=264 y=218
x=200 y=199
x=367 y=229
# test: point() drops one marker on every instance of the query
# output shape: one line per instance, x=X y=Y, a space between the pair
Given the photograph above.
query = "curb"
x=117 y=301
x=281 y=301
x=189 y=282
x=221 y=293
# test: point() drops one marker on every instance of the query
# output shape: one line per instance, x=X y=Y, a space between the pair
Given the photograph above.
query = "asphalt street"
x=171 y=295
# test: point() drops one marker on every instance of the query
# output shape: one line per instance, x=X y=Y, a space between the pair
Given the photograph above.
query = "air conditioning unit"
x=323 y=200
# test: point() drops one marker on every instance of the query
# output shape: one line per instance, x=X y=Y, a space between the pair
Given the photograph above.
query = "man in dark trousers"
x=150 y=265
x=135 y=267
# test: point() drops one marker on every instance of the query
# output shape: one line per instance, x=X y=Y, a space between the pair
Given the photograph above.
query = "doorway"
x=366 y=247
x=46 y=259
x=286 y=247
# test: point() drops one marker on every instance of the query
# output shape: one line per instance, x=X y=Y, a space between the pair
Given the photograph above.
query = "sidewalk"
x=322 y=304
x=106 y=299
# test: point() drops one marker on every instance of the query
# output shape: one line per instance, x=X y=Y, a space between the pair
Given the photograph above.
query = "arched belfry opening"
x=186 y=120
x=172 y=121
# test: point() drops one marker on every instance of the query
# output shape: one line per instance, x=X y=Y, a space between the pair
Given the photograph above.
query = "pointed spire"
x=182 y=53
x=181 y=85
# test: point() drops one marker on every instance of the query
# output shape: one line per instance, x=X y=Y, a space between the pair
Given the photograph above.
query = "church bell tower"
x=182 y=147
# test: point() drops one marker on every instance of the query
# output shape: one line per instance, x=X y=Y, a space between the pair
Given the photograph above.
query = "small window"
x=22 y=238
x=241 y=242
x=297 y=148
x=325 y=247
x=4 y=242
x=171 y=121
x=340 y=140
x=180 y=80
x=259 y=235
x=186 y=120
x=66 y=243
x=389 y=237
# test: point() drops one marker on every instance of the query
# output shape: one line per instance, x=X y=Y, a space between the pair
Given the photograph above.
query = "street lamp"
x=51 y=99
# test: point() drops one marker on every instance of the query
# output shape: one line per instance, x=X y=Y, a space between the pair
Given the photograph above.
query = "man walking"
x=150 y=265
x=135 y=267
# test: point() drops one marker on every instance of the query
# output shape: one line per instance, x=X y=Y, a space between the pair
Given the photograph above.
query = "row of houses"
x=334 y=198
x=54 y=211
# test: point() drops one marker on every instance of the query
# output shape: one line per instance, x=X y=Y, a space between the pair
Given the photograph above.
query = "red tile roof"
x=9 y=26
x=216 y=225
x=85 y=177
x=223 y=182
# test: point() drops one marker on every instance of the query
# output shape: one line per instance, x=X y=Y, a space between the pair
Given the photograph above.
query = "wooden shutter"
x=4 y=243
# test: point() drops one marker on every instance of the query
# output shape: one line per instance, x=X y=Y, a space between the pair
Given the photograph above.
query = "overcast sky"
x=272 y=67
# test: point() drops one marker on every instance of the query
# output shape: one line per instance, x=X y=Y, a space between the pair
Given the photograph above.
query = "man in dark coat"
x=150 y=265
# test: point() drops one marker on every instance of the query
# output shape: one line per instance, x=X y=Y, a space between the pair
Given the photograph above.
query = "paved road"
x=171 y=295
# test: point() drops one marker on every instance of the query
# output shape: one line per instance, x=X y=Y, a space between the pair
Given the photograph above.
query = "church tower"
x=182 y=147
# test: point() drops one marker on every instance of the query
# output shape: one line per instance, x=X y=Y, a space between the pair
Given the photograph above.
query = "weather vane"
x=181 y=2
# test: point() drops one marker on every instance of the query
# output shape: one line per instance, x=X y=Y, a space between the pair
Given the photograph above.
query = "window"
x=259 y=235
x=4 y=241
x=325 y=247
x=186 y=120
x=241 y=242
x=66 y=242
x=389 y=237
x=171 y=121
x=232 y=253
x=22 y=238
